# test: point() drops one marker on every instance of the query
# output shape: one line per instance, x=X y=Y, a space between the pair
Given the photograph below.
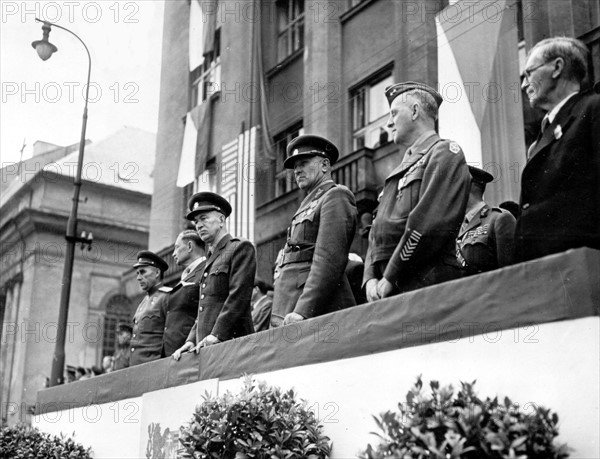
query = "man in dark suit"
x=560 y=184
x=311 y=279
x=486 y=237
x=224 y=310
x=182 y=308
x=421 y=207
x=149 y=319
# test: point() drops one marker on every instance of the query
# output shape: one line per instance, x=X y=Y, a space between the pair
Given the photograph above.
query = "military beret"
x=480 y=176
x=122 y=326
x=205 y=201
x=393 y=91
x=147 y=258
x=310 y=145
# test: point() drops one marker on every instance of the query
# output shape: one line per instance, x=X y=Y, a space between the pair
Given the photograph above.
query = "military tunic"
x=224 y=308
x=487 y=241
x=412 y=240
x=148 y=327
x=311 y=279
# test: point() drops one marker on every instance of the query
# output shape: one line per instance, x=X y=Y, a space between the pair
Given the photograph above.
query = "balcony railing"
x=356 y=171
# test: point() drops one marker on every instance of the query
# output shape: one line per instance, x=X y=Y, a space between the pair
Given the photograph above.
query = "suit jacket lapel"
x=190 y=276
x=563 y=119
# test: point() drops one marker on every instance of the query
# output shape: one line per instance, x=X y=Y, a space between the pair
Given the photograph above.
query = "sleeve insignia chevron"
x=410 y=245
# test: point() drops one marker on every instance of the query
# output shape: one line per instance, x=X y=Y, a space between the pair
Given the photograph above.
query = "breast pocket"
x=304 y=227
x=218 y=280
x=407 y=197
x=151 y=322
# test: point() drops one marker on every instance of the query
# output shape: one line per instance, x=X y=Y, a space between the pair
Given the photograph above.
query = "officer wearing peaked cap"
x=412 y=239
x=227 y=277
x=205 y=201
x=310 y=273
x=149 y=318
x=486 y=237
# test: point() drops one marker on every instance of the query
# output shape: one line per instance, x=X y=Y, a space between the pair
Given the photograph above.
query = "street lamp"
x=45 y=49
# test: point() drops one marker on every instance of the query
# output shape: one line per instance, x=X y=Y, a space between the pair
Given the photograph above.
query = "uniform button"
x=133 y=336
x=165 y=328
x=132 y=349
x=526 y=205
x=202 y=296
x=203 y=285
x=205 y=274
x=200 y=309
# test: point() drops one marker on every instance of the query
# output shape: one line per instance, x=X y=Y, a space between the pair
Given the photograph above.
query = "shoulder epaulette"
x=165 y=289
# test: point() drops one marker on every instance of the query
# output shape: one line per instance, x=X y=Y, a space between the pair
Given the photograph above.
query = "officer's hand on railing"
x=292 y=318
x=208 y=341
x=384 y=288
x=185 y=348
x=371 y=290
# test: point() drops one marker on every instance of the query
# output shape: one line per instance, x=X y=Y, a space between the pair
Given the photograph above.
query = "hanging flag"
x=478 y=76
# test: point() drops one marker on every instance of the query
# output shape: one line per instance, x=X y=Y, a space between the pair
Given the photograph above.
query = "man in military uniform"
x=311 y=278
x=123 y=349
x=412 y=240
x=182 y=309
x=224 y=310
x=486 y=239
x=149 y=319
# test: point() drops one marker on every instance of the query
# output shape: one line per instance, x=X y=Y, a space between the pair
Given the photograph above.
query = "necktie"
x=545 y=123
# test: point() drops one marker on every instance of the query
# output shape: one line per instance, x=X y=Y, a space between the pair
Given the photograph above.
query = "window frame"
x=284 y=180
x=205 y=80
x=290 y=27
x=361 y=125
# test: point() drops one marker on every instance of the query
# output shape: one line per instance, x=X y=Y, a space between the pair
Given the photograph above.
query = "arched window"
x=117 y=310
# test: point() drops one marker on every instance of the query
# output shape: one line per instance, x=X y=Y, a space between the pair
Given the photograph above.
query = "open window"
x=370 y=111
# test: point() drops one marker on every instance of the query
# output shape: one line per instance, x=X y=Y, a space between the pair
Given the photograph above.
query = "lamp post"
x=45 y=49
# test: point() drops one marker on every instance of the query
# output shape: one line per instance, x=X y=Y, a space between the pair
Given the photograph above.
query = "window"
x=207 y=180
x=370 y=112
x=187 y=192
x=206 y=78
x=284 y=180
x=290 y=27
x=117 y=310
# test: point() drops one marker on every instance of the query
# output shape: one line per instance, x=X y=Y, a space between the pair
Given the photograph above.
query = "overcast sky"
x=45 y=100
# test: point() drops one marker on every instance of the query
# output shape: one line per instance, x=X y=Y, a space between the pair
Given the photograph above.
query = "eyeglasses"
x=529 y=72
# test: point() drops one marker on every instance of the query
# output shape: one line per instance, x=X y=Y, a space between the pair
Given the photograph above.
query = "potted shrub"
x=259 y=422
x=446 y=426
x=22 y=441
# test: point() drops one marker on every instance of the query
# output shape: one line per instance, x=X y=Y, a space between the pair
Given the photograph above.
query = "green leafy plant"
x=259 y=422
x=22 y=441
x=441 y=425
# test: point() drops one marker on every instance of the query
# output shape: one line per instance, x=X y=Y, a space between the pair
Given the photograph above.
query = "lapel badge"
x=558 y=132
x=454 y=148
